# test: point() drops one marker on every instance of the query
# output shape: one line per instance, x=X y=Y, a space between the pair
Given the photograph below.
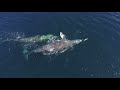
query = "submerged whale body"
x=31 y=40
x=38 y=38
x=57 y=46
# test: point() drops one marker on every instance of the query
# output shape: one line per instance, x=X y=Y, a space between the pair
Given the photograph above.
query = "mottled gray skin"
x=57 y=46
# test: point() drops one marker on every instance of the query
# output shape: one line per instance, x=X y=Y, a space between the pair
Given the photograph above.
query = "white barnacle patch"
x=51 y=49
x=31 y=39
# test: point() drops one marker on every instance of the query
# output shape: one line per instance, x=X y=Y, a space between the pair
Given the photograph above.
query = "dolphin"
x=57 y=46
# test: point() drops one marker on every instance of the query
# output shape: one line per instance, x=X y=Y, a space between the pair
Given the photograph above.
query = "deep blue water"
x=99 y=56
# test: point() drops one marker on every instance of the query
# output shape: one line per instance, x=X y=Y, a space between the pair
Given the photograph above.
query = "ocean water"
x=98 y=57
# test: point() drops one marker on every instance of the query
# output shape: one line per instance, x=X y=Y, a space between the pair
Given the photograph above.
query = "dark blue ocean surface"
x=99 y=56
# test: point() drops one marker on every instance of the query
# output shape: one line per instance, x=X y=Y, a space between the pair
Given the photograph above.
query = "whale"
x=57 y=46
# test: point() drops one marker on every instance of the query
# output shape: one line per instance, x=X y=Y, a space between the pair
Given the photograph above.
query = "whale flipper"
x=62 y=35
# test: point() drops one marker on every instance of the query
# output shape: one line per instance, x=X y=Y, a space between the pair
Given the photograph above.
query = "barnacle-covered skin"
x=58 y=46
